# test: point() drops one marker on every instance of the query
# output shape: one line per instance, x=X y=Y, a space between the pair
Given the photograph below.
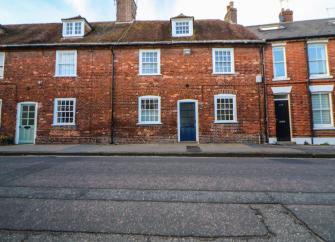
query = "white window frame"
x=58 y=53
x=2 y=73
x=325 y=44
x=324 y=89
x=232 y=65
x=158 y=51
x=279 y=78
x=140 y=122
x=73 y=34
x=55 y=113
x=221 y=96
x=174 y=27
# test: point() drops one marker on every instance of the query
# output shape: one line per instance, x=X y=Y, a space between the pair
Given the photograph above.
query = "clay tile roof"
x=138 y=31
x=182 y=16
x=74 y=18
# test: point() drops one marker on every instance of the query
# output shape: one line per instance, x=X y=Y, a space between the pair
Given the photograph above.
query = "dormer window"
x=182 y=26
x=75 y=27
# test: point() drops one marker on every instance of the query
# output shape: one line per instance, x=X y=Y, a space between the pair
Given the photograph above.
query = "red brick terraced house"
x=132 y=81
x=299 y=77
x=182 y=80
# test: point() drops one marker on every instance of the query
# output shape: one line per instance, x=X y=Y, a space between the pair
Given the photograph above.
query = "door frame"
x=288 y=99
x=18 y=119
x=196 y=117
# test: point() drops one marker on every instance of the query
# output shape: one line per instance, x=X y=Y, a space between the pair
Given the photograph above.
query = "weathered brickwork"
x=188 y=77
x=30 y=77
x=297 y=71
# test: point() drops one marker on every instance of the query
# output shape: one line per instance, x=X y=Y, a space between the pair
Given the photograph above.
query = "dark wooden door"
x=283 y=120
x=187 y=122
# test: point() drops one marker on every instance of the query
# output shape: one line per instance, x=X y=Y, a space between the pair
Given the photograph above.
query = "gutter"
x=109 y=44
x=301 y=37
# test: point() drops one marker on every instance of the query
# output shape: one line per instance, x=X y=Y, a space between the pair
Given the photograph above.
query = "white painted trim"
x=302 y=140
x=2 y=74
x=318 y=41
x=278 y=44
x=273 y=140
x=73 y=28
x=326 y=126
x=321 y=88
x=55 y=123
x=279 y=78
x=281 y=90
x=316 y=140
x=182 y=20
x=196 y=116
x=58 y=53
x=140 y=122
x=324 y=140
x=232 y=96
x=18 y=119
x=232 y=54
x=158 y=51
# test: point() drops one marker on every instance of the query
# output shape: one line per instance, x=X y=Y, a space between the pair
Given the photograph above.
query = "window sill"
x=281 y=79
x=149 y=74
x=224 y=74
x=65 y=76
x=320 y=77
x=149 y=124
x=64 y=126
x=324 y=128
x=224 y=122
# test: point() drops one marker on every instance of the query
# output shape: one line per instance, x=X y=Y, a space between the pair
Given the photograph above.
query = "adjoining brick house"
x=132 y=81
x=299 y=77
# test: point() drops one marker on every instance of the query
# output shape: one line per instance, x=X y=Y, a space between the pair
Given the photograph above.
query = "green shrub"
x=5 y=140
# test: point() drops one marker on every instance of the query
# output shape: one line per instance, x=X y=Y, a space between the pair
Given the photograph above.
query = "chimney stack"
x=125 y=11
x=286 y=16
x=231 y=15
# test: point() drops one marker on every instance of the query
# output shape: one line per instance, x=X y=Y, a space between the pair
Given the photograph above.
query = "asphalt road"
x=166 y=199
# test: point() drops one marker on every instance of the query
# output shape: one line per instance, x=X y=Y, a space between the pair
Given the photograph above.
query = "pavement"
x=192 y=150
x=186 y=199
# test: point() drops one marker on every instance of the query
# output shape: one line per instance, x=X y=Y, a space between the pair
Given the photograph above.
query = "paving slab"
x=320 y=219
x=138 y=218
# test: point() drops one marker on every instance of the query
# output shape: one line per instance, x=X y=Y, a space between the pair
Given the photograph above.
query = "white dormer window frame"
x=73 y=28
x=179 y=26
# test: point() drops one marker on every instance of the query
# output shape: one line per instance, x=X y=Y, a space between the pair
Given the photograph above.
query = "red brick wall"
x=299 y=98
x=24 y=70
x=188 y=77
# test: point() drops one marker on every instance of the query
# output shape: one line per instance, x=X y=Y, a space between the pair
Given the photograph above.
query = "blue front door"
x=187 y=121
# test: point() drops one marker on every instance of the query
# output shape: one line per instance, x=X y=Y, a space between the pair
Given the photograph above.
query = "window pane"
x=317 y=59
x=223 y=61
x=149 y=112
x=321 y=109
x=182 y=28
x=225 y=109
x=150 y=62
x=278 y=54
x=66 y=63
x=280 y=70
x=65 y=111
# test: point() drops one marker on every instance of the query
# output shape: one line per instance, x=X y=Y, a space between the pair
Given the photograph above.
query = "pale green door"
x=27 y=124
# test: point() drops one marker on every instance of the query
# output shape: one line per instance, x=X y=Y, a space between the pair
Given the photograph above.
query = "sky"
x=250 y=12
